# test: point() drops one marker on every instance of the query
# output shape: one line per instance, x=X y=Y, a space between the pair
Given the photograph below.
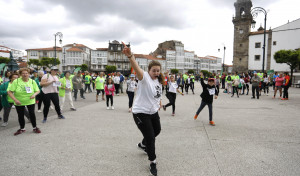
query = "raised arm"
x=134 y=64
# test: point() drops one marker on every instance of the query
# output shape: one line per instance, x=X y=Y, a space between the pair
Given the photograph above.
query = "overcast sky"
x=202 y=25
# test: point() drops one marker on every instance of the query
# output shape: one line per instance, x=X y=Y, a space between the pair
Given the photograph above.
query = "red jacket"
x=111 y=90
x=287 y=80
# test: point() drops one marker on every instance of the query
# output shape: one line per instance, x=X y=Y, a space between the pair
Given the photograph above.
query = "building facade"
x=99 y=59
x=117 y=58
x=144 y=60
x=74 y=55
x=39 y=53
x=17 y=54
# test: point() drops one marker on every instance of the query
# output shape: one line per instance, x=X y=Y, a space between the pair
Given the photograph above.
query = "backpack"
x=229 y=78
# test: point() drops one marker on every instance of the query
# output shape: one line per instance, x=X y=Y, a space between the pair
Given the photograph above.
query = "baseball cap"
x=54 y=68
x=132 y=76
x=211 y=79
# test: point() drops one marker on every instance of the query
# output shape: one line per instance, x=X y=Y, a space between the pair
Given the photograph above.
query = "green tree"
x=34 y=62
x=4 y=60
x=290 y=57
x=48 y=62
x=174 y=71
x=84 y=67
x=110 y=68
x=191 y=71
x=205 y=73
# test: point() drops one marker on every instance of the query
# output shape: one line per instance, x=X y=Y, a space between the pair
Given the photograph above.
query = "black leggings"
x=87 y=86
x=76 y=91
x=55 y=100
x=187 y=88
x=235 y=89
x=172 y=98
x=266 y=86
x=111 y=100
x=7 y=111
x=21 y=110
x=181 y=86
x=130 y=97
x=255 y=89
x=285 y=92
x=40 y=98
x=246 y=86
x=203 y=104
x=150 y=127
x=117 y=86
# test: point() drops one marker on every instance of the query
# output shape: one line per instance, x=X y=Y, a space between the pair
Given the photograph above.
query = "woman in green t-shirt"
x=23 y=91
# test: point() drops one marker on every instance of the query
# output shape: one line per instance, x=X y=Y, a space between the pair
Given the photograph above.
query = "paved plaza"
x=251 y=137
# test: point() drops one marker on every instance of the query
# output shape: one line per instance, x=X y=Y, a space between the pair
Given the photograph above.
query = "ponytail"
x=161 y=79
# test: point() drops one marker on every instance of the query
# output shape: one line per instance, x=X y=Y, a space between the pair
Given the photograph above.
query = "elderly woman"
x=77 y=81
x=65 y=91
x=23 y=92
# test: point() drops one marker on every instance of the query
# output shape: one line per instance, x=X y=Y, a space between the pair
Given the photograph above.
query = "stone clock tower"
x=242 y=24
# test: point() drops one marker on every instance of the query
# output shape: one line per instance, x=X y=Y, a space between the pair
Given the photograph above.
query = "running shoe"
x=112 y=108
x=61 y=117
x=107 y=107
x=173 y=114
x=4 y=124
x=39 y=110
x=195 y=117
x=36 y=130
x=51 y=107
x=83 y=97
x=164 y=107
x=20 y=131
x=139 y=145
x=212 y=123
x=153 y=170
x=44 y=121
x=129 y=110
x=73 y=109
x=0 y=118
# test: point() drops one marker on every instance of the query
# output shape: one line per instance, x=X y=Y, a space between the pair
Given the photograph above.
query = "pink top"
x=109 y=89
x=52 y=88
x=279 y=81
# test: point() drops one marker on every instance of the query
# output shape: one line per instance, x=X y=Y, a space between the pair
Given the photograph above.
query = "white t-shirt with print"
x=116 y=80
x=131 y=85
x=173 y=87
x=148 y=95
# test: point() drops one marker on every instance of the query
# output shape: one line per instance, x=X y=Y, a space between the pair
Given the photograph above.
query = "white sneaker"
x=129 y=110
x=13 y=107
x=51 y=107
x=112 y=107
x=39 y=110
x=107 y=107
x=4 y=124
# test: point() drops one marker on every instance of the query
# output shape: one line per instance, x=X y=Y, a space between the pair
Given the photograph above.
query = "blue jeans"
x=203 y=104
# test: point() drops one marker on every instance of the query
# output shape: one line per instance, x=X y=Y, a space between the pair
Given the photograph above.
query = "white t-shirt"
x=52 y=88
x=173 y=87
x=148 y=95
x=131 y=85
x=116 y=80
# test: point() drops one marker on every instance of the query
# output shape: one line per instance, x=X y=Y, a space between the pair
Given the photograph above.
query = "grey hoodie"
x=255 y=81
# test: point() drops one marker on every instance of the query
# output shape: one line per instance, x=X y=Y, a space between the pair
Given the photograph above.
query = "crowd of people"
x=25 y=88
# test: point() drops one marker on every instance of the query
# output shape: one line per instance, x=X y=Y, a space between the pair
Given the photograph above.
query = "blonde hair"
x=24 y=69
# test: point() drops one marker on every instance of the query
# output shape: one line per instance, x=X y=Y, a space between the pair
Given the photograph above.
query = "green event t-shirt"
x=10 y=100
x=88 y=79
x=1 y=80
x=100 y=83
x=19 y=90
x=185 y=77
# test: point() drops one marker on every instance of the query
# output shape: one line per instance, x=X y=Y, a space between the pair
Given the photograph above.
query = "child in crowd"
x=171 y=94
x=109 y=92
x=209 y=90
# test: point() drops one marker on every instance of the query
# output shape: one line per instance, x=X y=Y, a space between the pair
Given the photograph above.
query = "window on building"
x=119 y=66
x=257 y=45
x=241 y=45
x=274 y=42
x=257 y=57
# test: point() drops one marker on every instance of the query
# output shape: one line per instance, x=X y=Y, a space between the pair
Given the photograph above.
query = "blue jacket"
x=121 y=78
x=180 y=80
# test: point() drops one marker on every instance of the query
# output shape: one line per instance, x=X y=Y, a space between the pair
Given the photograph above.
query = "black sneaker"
x=153 y=170
x=61 y=117
x=164 y=107
x=141 y=147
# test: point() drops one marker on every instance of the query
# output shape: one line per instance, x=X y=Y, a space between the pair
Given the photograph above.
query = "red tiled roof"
x=147 y=57
x=4 y=46
x=76 y=45
x=102 y=49
x=258 y=32
x=4 y=51
x=45 y=49
x=189 y=51
x=74 y=49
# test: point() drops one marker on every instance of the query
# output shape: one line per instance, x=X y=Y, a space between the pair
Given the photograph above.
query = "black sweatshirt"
x=206 y=97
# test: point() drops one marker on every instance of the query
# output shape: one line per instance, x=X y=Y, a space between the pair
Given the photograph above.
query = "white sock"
x=154 y=161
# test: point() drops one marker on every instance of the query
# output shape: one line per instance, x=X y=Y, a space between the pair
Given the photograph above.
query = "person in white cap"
x=131 y=87
x=49 y=84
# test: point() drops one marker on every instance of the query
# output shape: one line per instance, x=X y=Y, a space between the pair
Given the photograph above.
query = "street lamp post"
x=254 y=13
x=223 y=67
x=60 y=35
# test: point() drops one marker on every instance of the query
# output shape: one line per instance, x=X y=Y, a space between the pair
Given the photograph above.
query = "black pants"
x=75 y=93
x=223 y=83
x=266 y=87
x=55 y=100
x=40 y=98
x=235 y=89
x=93 y=83
x=111 y=100
x=285 y=92
x=192 y=85
x=172 y=98
x=187 y=88
x=218 y=88
x=150 y=127
x=130 y=97
x=181 y=86
x=21 y=111
x=7 y=111
x=255 y=89
x=246 y=86
x=117 y=86
x=87 y=86
x=203 y=104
